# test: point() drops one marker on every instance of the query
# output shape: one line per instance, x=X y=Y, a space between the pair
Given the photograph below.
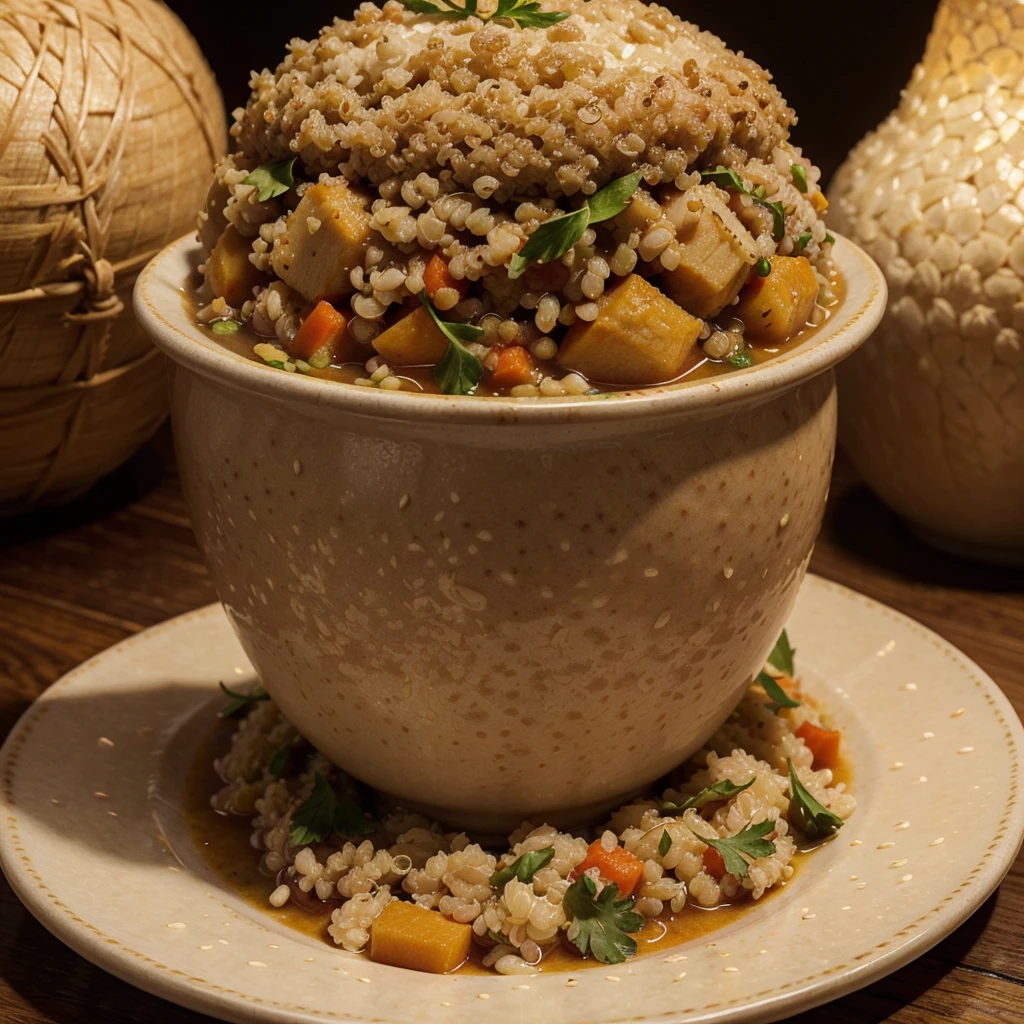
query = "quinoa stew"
x=527 y=200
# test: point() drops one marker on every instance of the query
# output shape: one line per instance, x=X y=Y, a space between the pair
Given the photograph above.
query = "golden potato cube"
x=229 y=271
x=405 y=935
x=643 y=210
x=775 y=307
x=639 y=337
x=414 y=341
x=712 y=268
x=326 y=238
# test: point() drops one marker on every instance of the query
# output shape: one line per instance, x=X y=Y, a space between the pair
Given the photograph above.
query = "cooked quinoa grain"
x=428 y=152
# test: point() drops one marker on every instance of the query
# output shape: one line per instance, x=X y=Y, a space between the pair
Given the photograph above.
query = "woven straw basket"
x=110 y=122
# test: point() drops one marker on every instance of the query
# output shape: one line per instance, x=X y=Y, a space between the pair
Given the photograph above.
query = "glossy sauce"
x=224 y=843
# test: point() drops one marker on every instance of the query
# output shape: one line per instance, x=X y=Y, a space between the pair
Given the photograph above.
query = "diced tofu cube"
x=643 y=210
x=229 y=271
x=639 y=337
x=414 y=341
x=712 y=266
x=405 y=935
x=775 y=307
x=326 y=238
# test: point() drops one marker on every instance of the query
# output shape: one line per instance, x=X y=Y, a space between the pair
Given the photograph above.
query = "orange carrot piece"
x=324 y=326
x=515 y=366
x=617 y=865
x=438 y=276
x=823 y=744
x=714 y=865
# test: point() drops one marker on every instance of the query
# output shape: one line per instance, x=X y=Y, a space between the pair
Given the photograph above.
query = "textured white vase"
x=932 y=407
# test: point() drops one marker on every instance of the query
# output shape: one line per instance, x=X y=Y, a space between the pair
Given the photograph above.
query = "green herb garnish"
x=525 y=13
x=749 y=842
x=555 y=237
x=799 y=177
x=776 y=694
x=458 y=371
x=782 y=654
x=724 y=790
x=763 y=267
x=323 y=813
x=741 y=360
x=279 y=760
x=523 y=868
x=273 y=179
x=812 y=818
x=728 y=177
x=242 y=701
x=602 y=924
x=225 y=326
x=803 y=241
x=664 y=843
x=829 y=239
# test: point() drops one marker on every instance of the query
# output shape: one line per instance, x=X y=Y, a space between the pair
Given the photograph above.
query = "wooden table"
x=77 y=580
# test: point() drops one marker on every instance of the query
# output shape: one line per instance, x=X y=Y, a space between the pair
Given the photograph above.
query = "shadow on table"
x=130 y=482
x=861 y=524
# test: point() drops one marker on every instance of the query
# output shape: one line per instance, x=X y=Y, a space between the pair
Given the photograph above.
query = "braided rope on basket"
x=110 y=121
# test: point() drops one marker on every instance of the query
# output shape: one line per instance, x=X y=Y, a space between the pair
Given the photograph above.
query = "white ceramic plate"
x=93 y=841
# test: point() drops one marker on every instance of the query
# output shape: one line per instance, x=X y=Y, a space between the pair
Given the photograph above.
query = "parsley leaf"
x=740 y=359
x=458 y=371
x=273 y=179
x=242 y=701
x=557 y=236
x=664 y=843
x=529 y=15
x=728 y=177
x=750 y=841
x=799 y=177
x=724 y=790
x=323 y=813
x=829 y=238
x=525 y=13
x=225 y=327
x=782 y=655
x=601 y=925
x=523 y=868
x=812 y=818
x=279 y=759
x=776 y=694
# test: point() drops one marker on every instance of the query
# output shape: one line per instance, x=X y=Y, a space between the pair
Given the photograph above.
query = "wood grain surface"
x=76 y=580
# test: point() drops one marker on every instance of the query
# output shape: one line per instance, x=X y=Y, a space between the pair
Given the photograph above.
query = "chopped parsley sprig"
x=525 y=13
x=812 y=818
x=458 y=371
x=719 y=791
x=782 y=654
x=728 y=177
x=776 y=694
x=323 y=813
x=601 y=924
x=748 y=843
x=523 y=868
x=555 y=237
x=239 y=702
x=273 y=179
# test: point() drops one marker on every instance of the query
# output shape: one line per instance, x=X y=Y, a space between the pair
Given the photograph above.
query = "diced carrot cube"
x=438 y=276
x=325 y=326
x=823 y=744
x=714 y=865
x=616 y=865
x=515 y=366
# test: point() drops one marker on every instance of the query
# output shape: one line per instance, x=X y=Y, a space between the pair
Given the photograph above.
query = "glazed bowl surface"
x=496 y=609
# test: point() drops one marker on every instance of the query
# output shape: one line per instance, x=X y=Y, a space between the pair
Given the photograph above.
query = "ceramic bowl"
x=498 y=609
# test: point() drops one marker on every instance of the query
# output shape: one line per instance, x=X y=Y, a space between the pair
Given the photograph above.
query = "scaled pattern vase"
x=932 y=407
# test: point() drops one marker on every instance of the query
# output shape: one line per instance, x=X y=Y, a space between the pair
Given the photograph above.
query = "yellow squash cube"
x=639 y=337
x=405 y=935
x=326 y=239
x=414 y=341
x=776 y=307
x=229 y=271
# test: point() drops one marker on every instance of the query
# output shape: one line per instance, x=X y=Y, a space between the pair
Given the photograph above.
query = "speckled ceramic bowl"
x=496 y=609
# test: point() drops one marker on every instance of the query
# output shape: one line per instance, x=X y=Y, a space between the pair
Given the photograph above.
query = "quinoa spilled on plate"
x=545 y=199
x=722 y=829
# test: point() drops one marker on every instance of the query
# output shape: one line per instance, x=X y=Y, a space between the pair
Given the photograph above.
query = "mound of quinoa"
x=411 y=858
x=466 y=135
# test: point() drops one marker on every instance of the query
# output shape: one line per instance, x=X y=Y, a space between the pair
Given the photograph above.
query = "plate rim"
x=207 y=997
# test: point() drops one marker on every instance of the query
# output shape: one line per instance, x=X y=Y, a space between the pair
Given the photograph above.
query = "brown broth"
x=223 y=841
x=420 y=379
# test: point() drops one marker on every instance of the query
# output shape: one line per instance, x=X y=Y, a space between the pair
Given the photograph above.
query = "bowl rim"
x=161 y=306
